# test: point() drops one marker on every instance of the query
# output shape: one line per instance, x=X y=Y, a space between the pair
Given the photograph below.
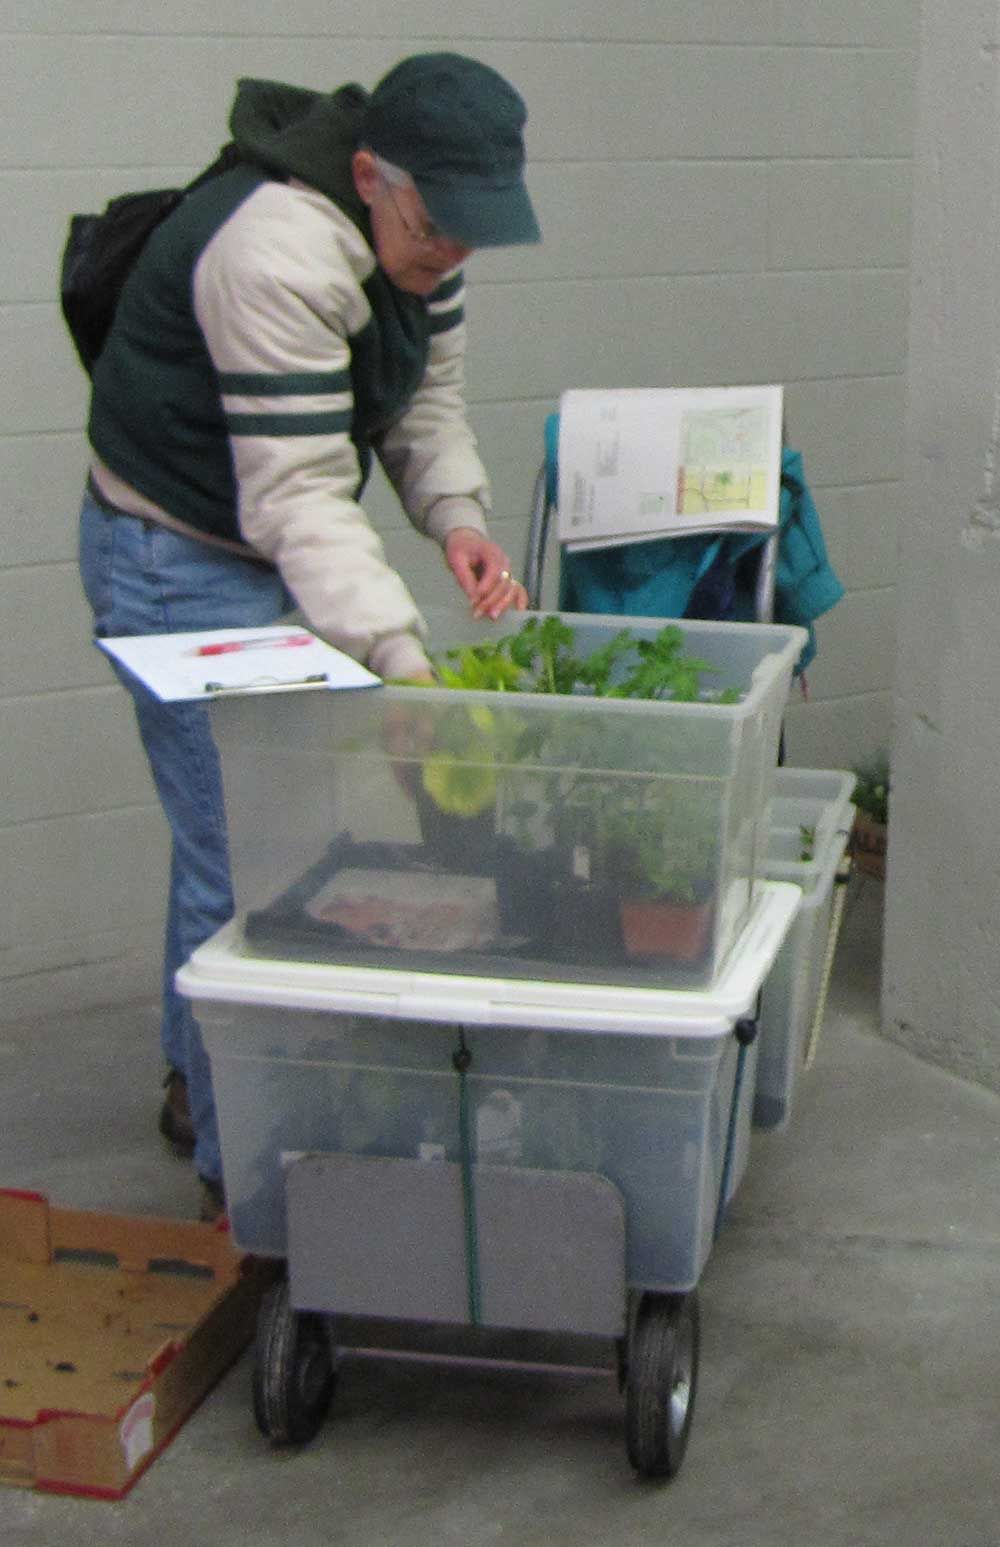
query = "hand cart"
x=482 y=1152
x=534 y=1133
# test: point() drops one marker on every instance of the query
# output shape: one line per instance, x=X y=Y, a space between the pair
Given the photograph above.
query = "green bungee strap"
x=462 y=1061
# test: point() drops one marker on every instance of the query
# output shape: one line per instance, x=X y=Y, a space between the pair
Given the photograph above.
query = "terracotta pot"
x=869 y=841
x=678 y=931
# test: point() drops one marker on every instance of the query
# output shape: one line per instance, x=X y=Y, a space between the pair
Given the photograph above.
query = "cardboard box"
x=112 y=1329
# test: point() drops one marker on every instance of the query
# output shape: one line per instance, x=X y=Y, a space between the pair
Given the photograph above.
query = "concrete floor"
x=849 y=1389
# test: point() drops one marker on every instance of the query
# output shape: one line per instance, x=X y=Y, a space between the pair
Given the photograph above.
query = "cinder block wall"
x=725 y=196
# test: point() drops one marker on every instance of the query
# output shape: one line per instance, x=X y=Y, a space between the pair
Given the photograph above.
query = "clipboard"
x=209 y=664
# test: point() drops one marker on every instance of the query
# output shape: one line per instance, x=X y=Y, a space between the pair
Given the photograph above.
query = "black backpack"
x=101 y=251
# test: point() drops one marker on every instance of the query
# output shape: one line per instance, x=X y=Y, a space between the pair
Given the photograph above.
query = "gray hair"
x=395 y=176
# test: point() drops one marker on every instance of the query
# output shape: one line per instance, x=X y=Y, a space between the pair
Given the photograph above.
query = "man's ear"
x=366 y=174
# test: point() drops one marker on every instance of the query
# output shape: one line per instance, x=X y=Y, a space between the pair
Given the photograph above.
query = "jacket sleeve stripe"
x=442 y=322
x=302 y=384
x=448 y=288
x=336 y=422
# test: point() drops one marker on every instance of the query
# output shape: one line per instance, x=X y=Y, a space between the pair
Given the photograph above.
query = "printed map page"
x=724 y=461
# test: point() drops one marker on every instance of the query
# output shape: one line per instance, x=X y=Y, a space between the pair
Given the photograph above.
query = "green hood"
x=310 y=135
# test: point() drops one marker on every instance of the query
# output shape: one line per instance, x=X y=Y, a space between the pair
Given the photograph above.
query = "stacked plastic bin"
x=482 y=1032
x=460 y=837
x=810 y=827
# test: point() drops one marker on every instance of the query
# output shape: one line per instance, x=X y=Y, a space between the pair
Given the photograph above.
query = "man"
x=294 y=316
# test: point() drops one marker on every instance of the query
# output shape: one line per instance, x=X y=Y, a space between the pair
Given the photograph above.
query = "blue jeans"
x=145 y=579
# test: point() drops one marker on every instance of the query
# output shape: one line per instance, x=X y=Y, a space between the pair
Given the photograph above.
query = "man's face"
x=413 y=254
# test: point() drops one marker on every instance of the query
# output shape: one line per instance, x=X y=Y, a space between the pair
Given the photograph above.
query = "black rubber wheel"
x=661 y=1385
x=293 y=1374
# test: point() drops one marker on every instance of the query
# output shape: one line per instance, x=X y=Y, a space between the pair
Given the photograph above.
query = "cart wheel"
x=662 y=1380
x=293 y=1375
x=621 y=1363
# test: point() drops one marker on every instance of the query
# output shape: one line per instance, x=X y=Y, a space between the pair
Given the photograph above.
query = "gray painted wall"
x=942 y=976
x=725 y=192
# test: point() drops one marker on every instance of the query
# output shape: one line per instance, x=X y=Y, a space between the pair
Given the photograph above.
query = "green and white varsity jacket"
x=259 y=357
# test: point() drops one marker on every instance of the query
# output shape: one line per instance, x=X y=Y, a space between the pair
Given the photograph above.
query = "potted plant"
x=455 y=791
x=541 y=795
x=870 y=831
x=662 y=849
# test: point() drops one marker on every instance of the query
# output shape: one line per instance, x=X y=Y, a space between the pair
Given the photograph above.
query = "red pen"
x=233 y=646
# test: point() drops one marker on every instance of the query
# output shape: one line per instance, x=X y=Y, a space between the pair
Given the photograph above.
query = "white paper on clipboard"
x=208 y=663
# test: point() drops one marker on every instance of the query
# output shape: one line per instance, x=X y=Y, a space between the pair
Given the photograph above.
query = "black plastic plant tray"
x=558 y=931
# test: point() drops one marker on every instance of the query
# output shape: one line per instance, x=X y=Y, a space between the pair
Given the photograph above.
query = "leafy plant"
x=543 y=649
x=541 y=658
x=460 y=788
x=480 y=667
x=660 y=840
x=662 y=671
x=459 y=771
x=597 y=670
x=557 y=780
x=871 y=791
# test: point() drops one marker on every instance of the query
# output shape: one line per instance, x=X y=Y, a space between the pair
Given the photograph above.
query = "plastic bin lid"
x=822 y=784
x=219 y=972
x=821 y=799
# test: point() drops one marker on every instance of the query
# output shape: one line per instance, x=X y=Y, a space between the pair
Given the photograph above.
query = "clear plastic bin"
x=644 y=1106
x=810 y=825
x=633 y=1086
x=520 y=834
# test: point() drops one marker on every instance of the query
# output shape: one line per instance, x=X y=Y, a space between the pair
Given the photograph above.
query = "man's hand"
x=482 y=569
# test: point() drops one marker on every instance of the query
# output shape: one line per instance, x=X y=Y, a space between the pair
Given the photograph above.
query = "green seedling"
x=541 y=658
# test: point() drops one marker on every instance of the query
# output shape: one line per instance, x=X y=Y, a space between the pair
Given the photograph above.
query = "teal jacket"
x=701 y=577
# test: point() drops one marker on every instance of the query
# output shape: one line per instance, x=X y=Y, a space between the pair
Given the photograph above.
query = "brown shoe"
x=213 y=1201
x=175 y=1116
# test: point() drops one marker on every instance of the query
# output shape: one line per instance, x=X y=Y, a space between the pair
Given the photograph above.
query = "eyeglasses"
x=427 y=235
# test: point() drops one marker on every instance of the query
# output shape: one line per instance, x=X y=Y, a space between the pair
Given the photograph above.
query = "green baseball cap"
x=455 y=125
